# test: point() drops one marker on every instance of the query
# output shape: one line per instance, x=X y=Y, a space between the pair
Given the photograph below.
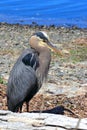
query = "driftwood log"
x=39 y=121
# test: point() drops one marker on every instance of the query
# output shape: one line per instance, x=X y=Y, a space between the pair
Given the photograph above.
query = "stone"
x=38 y=121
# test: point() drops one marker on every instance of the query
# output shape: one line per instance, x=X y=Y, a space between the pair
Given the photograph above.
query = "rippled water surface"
x=58 y=12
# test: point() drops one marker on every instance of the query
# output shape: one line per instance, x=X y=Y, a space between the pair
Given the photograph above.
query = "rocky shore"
x=67 y=74
x=68 y=71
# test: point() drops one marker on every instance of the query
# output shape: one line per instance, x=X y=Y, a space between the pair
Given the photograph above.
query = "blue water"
x=47 y=12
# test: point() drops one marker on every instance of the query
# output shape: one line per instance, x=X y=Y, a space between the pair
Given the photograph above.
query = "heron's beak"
x=53 y=48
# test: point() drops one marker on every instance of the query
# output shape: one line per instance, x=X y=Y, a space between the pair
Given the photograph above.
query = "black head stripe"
x=41 y=35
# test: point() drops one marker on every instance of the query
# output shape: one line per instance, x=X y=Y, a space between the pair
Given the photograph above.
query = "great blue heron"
x=28 y=73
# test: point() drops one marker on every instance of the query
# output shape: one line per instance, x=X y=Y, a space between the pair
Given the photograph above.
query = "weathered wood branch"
x=38 y=121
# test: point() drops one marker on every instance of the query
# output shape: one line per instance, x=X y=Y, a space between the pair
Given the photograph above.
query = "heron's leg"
x=27 y=104
x=16 y=109
x=20 y=109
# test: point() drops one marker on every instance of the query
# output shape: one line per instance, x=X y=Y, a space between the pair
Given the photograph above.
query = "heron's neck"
x=44 y=62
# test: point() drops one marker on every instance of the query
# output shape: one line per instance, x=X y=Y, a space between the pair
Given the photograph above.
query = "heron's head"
x=41 y=40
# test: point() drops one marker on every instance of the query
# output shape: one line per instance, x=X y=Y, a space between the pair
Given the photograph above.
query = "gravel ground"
x=67 y=74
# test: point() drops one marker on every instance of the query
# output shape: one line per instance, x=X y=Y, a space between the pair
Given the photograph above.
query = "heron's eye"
x=45 y=40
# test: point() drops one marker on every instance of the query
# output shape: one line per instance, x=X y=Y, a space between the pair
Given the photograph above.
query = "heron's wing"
x=31 y=59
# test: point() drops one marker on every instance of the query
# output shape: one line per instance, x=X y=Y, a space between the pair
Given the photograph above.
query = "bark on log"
x=39 y=121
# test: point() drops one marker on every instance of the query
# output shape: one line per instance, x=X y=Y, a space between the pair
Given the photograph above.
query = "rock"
x=38 y=121
x=81 y=41
x=65 y=52
x=82 y=89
